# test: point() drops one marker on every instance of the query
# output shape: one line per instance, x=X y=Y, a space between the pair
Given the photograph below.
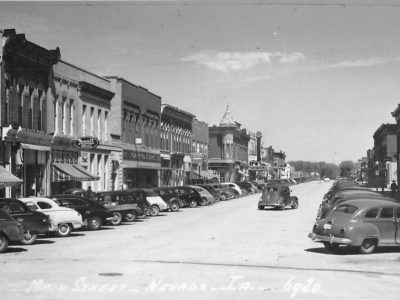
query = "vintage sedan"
x=10 y=230
x=93 y=213
x=170 y=197
x=362 y=223
x=277 y=196
x=205 y=195
x=34 y=222
x=63 y=219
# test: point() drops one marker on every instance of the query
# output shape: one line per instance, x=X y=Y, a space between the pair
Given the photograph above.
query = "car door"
x=386 y=225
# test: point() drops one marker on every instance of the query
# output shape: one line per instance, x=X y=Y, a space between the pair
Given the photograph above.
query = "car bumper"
x=331 y=239
x=110 y=219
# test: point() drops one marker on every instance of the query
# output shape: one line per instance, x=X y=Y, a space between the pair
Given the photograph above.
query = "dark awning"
x=8 y=179
x=71 y=172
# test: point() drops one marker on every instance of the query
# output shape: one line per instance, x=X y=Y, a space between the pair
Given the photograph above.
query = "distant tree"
x=324 y=169
x=346 y=167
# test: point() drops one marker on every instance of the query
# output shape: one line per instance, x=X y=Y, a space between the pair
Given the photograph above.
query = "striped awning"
x=71 y=172
x=8 y=179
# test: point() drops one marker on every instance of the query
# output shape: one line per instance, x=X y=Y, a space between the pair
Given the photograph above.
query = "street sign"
x=87 y=142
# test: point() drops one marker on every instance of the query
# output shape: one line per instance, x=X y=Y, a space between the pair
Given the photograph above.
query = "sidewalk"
x=388 y=193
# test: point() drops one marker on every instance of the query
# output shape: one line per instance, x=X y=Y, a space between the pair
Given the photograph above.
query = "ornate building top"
x=227 y=119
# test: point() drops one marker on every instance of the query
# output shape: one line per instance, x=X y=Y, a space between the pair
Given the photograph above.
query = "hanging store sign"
x=87 y=142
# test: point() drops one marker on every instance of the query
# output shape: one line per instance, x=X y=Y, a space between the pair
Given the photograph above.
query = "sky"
x=317 y=78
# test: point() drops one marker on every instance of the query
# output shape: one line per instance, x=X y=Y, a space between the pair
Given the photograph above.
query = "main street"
x=229 y=250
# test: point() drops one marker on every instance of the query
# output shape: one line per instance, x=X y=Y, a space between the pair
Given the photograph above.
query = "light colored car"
x=362 y=223
x=63 y=219
x=234 y=186
x=157 y=204
x=205 y=195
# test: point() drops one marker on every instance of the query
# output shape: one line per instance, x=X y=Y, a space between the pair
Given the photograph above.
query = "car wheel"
x=29 y=238
x=368 y=246
x=295 y=203
x=261 y=207
x=63 y=230
x=331 y=248
x=224 y=197
x=3 y=244
x=117 y=218
x=174 y=206
x=154 y=211
x=94 y=223
x=129 y=217
x=203 y=201
x=146 y=212
x=192 y=203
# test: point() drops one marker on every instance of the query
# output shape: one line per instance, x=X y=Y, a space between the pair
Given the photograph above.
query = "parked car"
x=341 y=196
x=212 y=191
x=33 y=222
x=157 y=204
x=122 y=204
x=10 y=231
x=169 y=195
x=93 y=213
x=245 y=187
x=77 y=192
x=233 y=186
x=225 y=192
x=277 y=196
x=63 y=219
x=141 y=200
x=205 y=195
x=362 y=223
x=189 y=196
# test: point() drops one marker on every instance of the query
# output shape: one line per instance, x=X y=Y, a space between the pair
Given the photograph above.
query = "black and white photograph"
x=188 y=149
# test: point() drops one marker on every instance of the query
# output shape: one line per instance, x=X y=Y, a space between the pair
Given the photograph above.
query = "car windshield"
x=346 y=209
x=4 y=216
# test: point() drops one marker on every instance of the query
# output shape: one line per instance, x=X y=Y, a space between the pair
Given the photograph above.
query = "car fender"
x=359 y=231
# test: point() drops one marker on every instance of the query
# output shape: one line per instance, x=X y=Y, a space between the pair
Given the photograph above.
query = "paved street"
x=227 y=251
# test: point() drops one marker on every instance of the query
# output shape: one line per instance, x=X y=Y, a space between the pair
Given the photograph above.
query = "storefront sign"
x=87 y=142
x=141 y=156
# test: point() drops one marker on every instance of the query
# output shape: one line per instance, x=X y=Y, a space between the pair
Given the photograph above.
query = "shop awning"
x=8 y=179
x=71 y=172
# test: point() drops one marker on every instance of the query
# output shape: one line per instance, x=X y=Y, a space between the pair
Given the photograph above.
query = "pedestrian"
x=393 y=187
x=89 y=191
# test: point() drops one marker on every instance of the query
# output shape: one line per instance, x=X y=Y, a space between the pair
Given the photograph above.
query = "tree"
x=346 y=167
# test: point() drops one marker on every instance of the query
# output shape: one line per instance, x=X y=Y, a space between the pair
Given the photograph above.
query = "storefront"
x=141 y=167
x=7 y=180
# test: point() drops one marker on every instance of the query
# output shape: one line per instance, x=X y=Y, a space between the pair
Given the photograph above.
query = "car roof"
x=34 y=199
x=366 y=203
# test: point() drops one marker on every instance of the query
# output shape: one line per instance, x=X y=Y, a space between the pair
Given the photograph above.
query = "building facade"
x=176 y=145
x=199 y=150
x=135 y=126
x=384 y=152
x=26 y=85
x=228 y=149
x=81 y=108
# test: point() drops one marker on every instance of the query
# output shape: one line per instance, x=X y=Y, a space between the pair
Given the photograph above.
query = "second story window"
x=99 y=123
x=84 y=120
x=56 y=115
x=92 y=121
x=105 y=125
x=71 y=117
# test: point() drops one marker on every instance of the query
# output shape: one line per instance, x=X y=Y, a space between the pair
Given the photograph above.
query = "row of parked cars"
x=355 y=216
x=24 y=219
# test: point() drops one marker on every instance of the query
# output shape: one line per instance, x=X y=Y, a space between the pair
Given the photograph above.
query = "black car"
x=140 y=197
x=10 y=230
x=34 y=222
x=170 y=196
x=188 y=195
x=93 y=213
x=211 y=190
x=122 y=204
